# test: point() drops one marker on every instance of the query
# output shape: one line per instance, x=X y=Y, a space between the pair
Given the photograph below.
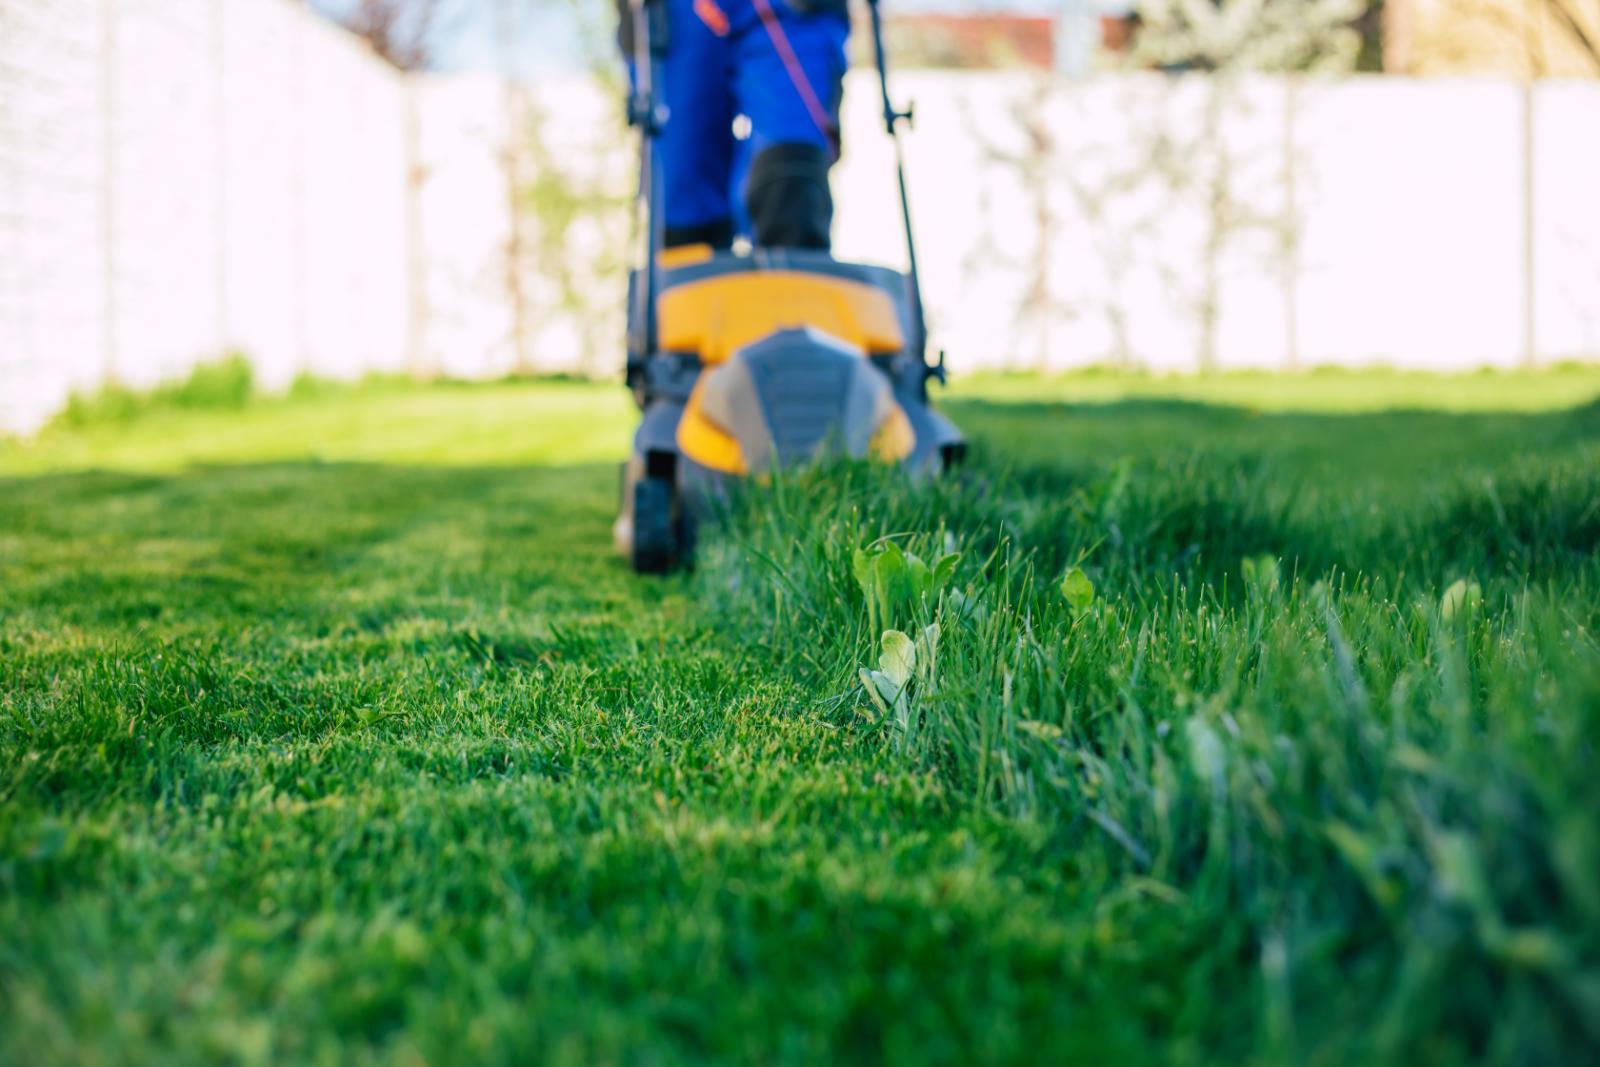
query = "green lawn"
x=1324 y=389
x=332 y=732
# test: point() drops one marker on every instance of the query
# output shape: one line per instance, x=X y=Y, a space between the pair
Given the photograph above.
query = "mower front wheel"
x=657 y=544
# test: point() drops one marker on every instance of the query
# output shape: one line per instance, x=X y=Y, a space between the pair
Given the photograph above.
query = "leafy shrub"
x=227 y=384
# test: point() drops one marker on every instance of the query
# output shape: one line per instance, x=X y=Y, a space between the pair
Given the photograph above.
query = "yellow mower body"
x=764 y=360
x=718 y=316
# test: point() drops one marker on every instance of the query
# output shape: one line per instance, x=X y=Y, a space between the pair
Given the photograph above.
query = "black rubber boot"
x=719 y=235
x=790 y=205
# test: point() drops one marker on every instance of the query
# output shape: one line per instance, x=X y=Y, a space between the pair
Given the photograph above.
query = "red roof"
x=986 y=40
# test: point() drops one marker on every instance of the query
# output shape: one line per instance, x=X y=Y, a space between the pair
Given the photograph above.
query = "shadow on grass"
x=1147 y=488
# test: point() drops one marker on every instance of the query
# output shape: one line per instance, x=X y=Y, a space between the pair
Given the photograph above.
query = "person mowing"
x=778 y=63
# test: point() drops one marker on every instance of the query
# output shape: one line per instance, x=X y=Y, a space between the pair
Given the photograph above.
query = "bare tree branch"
x=1565 y=16
x=401 y=31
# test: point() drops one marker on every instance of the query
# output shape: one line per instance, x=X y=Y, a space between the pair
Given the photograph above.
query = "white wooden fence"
x=182 y=177
x=1170 y=223
x=179 y=178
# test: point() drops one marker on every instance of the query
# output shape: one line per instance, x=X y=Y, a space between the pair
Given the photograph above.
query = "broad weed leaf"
x=891 y=574
x=899 y=657
x=1461 y=595
x=919 y=579
x=945 y=569
x=879 y=689
x=1078 y=590
x=861 y=565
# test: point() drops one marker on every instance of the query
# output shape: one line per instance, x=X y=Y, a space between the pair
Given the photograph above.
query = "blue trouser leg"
x=791 y=95
x=785 y=76
x=783 y=103
x=697 y=145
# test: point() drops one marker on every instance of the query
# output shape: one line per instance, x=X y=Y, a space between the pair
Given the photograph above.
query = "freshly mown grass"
x=331 y=732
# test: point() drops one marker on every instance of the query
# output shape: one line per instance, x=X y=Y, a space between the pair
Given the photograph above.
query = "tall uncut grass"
x=1328 y=749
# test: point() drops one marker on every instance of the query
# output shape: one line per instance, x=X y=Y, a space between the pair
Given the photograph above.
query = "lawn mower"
x=746 y=361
